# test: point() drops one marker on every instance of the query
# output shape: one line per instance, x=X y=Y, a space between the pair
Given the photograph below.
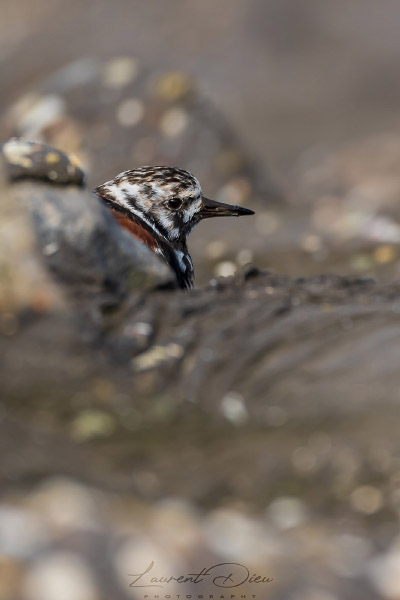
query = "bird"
x=160 y=206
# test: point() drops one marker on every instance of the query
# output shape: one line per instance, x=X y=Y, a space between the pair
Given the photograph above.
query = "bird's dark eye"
x=174 y=203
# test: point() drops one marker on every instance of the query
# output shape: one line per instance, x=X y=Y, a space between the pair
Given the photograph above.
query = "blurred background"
x=292 y=108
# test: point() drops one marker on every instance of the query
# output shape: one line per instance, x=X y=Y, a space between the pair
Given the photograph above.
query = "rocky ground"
x=229 y=423
x=252 y=420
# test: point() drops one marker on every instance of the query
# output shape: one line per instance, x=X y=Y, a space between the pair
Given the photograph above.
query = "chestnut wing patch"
x=135 y=229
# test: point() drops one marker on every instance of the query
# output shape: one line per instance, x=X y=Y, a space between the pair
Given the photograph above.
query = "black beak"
x=211 y=208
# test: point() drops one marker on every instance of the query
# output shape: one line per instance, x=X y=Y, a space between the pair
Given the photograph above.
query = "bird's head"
x=167 y=199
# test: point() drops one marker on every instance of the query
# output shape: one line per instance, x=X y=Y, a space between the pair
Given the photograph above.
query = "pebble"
x=174 y=122
x=367 y=499
x=311 y=243
x=51 y=248
x=244 y=257
x=92 y=424
x=173 y=86
x=158 y=355
x=120 y=71
x=225 y=268
x=234 y=536
x=135 y=555
x=66 y=504
x=384 y=572
x=22 y=534
x=42 y=113
x=60 y=576
x=130 y=112
x=383 y=229
x=385 y=254
x=287 y=512
x=140 y=330
x=234 y=408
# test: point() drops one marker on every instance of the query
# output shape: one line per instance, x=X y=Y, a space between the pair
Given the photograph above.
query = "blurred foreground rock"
x=93 y=348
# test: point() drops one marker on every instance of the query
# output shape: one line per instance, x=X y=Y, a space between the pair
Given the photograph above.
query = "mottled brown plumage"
x=160 y=206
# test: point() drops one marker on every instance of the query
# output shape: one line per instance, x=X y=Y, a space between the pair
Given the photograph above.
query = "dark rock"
x=31 y=160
